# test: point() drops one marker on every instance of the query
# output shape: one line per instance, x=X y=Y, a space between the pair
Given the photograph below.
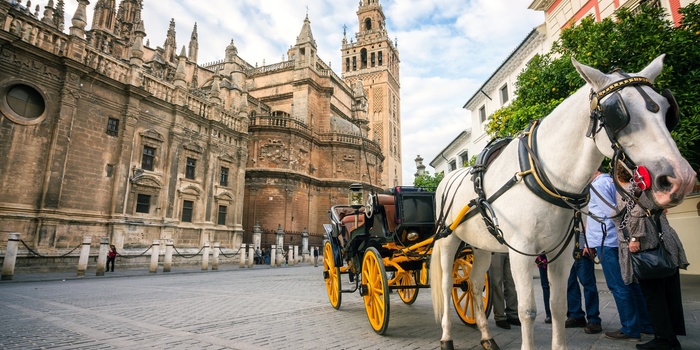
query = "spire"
x=305 y=36
x=194 y=45
x=216 y=88
x=231 y=52
x=48 y=13
x=128 y=18
x=59 y=15
x=137 y=46
x=180 y=73
x=170 y=46
x=79 y=20
x=104 y=15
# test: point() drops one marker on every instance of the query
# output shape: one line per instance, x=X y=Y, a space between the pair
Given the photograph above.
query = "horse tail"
x=436 y=282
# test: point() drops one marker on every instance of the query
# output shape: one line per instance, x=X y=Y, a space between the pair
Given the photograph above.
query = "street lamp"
x=355 y=196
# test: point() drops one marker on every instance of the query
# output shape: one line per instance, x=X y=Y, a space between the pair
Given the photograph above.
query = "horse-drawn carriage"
x=385 y=245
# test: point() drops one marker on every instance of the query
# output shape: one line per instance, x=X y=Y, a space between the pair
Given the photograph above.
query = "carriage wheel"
x=331 y=274
x=462 y=295
x=375 y=290
x=407 y=278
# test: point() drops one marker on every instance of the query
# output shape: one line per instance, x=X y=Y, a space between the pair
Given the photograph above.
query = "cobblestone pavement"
x=258 y=308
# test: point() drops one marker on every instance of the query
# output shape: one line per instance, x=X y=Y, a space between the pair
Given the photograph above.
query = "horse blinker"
x=615 y=115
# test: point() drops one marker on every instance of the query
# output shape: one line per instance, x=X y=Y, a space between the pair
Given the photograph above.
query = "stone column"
x=155 y=251
x=8 y=264
x=84 y=256
x=205 y=257
x=290 y=256
x=273 y=255
x=257 y=234
x=251 y=254
x=305 y=245
x=296 y=255
x=102 y=256
x=241 y=251
x=168 y=258
x=215 y=262
x=280 y=244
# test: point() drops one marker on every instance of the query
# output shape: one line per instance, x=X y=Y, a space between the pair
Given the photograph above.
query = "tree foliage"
x=428 y=181
x=629 y=41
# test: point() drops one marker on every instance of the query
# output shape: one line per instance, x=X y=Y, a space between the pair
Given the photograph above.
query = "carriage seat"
x=388 y=202
x=347 y=219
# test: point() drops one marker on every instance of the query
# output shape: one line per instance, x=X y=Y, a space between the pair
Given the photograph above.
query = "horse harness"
x=610 y=115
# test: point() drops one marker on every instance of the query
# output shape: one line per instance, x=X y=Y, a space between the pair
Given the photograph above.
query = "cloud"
x=447 y=48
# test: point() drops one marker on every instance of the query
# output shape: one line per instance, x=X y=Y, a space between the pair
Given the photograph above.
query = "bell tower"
x=374 y=59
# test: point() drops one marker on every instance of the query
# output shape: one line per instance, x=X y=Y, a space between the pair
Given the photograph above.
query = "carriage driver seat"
x=388 y=202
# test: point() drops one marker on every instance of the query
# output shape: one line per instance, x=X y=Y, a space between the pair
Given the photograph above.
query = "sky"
x=447 y=48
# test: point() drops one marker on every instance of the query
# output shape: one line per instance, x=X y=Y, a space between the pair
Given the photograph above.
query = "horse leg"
x=441 y=282
x=482 y=261
x=521 y=266
x=558 y=273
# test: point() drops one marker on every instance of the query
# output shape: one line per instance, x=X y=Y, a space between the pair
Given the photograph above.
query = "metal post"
x=241 y=264
x=215 y=262
x=84 y=256
x=273 y=255
x=8 y=264
x=154 y=256
x=102 y=256
x=251 y=254
x=168 y=258
x=205 y=257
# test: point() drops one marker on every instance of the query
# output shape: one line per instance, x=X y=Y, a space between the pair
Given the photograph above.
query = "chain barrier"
x=135 y=256
x=188 y=256
x=232 y=255
x=48 y=256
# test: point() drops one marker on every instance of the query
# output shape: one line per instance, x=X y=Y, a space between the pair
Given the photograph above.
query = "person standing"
x=111 y=257
x=662 y=295
x=601 y=237
x=505 y=298
x=315 y=256
x=541 y=262
x=583 y=272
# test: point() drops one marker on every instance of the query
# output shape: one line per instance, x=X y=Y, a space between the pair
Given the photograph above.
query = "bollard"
x=84 y=256
x=251 y=254
x=205 y=257
x=8 y=264
x=296 y=255
x=168 y=258
x=241 y=264
x=215 y=262
x=154 y=256
x=102 y=256
x=290 y=256
x=273 y=255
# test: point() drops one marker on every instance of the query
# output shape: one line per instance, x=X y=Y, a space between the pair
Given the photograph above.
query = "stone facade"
x=102 y=135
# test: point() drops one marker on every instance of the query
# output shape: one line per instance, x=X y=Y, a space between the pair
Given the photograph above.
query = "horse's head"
x=637 y=122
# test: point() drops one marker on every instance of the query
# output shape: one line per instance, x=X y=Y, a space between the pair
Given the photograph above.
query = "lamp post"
x=355 y=199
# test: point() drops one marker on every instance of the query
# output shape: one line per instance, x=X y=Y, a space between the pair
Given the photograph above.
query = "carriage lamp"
x=355 y=196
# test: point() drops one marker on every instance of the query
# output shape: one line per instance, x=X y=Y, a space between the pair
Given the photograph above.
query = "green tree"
x=428 y=181
x=629 y=41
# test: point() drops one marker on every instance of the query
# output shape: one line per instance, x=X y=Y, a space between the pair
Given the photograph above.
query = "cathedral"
x=102 y=135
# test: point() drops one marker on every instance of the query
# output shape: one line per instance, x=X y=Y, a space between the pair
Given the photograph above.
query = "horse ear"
x=654 y=68
x=595 y=78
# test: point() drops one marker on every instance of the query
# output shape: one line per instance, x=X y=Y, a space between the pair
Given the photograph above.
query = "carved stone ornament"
x=153 y=135
x=147 y=180
x=194 y=147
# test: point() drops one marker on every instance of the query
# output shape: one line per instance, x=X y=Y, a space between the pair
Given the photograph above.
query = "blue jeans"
x=583 y=270
x=631 y=306
x=544 y=280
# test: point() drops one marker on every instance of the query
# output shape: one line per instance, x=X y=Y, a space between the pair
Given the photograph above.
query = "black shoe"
x=656 y=344
x=548 y=319
x=575 y=322
x=514 y=321
x=618 y=335
x=593 y=328
x=503 y=324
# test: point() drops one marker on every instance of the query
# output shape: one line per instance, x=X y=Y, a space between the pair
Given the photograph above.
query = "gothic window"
x=221 y=218
x=147 y=158
x=112 y=127
x=190 y=166
x=354 y=63
x=363 y=58
x=143 y=203
x=372 y=59
x=368 y=24
x=347 y=64
x=380 y=58
x=187 y=208
x=223 y=179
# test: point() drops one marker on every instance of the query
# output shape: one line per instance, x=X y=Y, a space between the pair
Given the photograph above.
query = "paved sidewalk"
x=258 y=308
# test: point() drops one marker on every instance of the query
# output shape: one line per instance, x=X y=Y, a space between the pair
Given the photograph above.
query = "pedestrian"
x=505 y=298
x=111 y=256
x=662 y=295
x=582 y=274
x=601 y=235
x=258 y=256
x=541 y=262
x=315 y=256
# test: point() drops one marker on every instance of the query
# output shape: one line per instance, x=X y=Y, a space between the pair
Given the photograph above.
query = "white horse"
x=569 y=158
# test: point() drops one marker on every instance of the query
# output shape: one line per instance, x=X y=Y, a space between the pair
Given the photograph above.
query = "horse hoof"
x=447 y=345
x=490 y=344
